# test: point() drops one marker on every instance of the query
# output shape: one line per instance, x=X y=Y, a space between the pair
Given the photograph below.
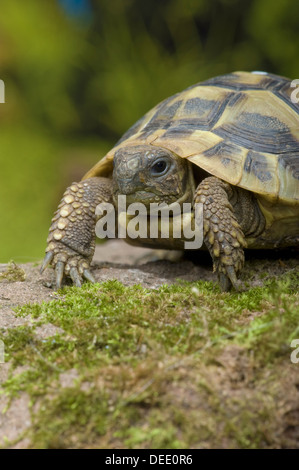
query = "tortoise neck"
x=247 y=211
x=188 y=195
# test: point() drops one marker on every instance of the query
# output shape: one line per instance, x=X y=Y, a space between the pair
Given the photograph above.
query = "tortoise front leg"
x=71 y=240
x=223 y=235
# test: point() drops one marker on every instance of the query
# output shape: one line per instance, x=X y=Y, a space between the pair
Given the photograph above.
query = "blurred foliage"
x=78 y=74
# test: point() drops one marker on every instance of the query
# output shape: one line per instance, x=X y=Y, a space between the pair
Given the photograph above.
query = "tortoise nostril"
x=127 y=168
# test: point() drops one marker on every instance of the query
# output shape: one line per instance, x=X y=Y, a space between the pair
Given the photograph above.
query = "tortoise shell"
x=241 y=127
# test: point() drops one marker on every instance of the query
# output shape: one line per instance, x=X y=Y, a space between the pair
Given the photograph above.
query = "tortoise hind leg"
x=223 y=235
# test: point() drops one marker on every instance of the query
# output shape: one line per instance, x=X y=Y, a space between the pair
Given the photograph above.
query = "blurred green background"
x=78 y=73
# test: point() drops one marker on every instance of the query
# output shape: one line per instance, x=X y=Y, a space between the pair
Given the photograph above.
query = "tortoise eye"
x=159 y=167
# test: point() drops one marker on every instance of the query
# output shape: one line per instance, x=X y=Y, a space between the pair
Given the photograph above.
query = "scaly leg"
x=71 y=240
x=223 y=235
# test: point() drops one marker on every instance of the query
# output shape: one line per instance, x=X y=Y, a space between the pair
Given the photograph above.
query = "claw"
x=47 y=260
x=87 y=274
x=59 y=270
x=75 y=277
x=224 y=282
x=238 y=285
x=232 y=275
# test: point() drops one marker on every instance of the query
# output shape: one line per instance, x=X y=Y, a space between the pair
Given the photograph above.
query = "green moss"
x=150 y=367
x=269 y=335
x=74 y=410
x=13 y=273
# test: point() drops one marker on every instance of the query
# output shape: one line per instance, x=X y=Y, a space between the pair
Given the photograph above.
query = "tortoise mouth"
x=146 y=198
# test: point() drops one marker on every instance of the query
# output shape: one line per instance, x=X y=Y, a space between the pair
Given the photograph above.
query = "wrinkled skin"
x=149 y=174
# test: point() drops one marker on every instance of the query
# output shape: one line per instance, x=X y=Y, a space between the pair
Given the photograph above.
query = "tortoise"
x=230 y=143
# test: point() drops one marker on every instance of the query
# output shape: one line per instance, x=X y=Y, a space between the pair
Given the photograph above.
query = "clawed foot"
x=223 y=235
x=67 y=262
x=71 y=240
x=230 y=262
x=229 y=280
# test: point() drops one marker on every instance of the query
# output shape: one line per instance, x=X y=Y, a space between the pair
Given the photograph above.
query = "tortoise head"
x=148 y=174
